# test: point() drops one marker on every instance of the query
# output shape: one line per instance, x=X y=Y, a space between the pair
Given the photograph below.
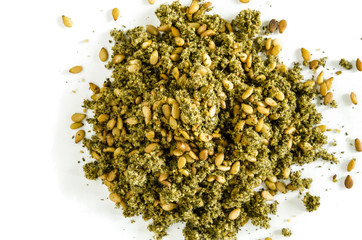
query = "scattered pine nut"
x=78 y=117
x=359 y=64
x=282 y=25
x=358 y=145
x=306 y=55
x=79 y=136
x=103 y=54
x=67 y=21
x=328 y=98
x=351 y=165
x=353 y=98
x=348 y=182
x=115 y=13
x=244 y=1
x=76 y=69
x=151 y=2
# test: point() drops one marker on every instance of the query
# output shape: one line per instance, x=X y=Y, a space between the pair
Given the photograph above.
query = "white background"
x=43 y=192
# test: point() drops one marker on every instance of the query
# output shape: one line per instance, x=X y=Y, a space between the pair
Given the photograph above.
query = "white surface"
x=44 y=194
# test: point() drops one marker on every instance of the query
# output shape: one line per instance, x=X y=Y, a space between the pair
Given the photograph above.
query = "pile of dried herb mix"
x=200 y=112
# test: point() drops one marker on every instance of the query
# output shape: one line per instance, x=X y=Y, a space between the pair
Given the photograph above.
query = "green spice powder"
x=197 y=115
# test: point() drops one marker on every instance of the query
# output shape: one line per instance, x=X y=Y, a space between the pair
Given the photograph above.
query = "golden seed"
x=181 y=162
x=175 y=57
x=328 y=98
x=154 y=57
x=183 y=146
x=281 y=187
x=94 y=88
x=259 y=126
x=234 y=214
x=351 y=165
x=79 y=136
x=115 y=197
x=235 y=167
x=353 y=98
x=67 y=21
x=176 y=73
x=323 y=128
x=323 y=89
x=270 y=185
x=348 y=182
x=320 y=78
x=194 y=7
x=263 y=110
x=306 y=54
x=131 y=121
x=103 y=55
x=290 y=130
x=203 y=155
x=313 y=64
x=164 y=28
x=282 y=25
x=193 y=155
x=115 y=13
x=267 y=196
x=268 y=44
x=151 y=2
x=166 y=110
x=206 y=59
x=220 y=179
x=244 y=1
x=76 y=125
x=96 y=156
x=247 y=93
x=309 y=83
x=103 y=117
x=247 y=108
x=152 y=30
x=118 y=58
x=78 y=117
x=201 y=29
x=175 y=111
x=223 y=168
x=173 y=123
x=147 y=113
x=268 y=238
x=169 y=207
x=276 y=50
x=251 y=121
x=163 y=177
x=227 y=84
x=76 y=69
x=112 y=175
x=271 y=102
x=219 y=159
x=279 y=96
x=179 y=41
x=212 y=111
x=329 y=82
x=249 y=61
x=110 y=124
x=358 y=145
x=175 y=32
x=359 y=64
x=208 y=33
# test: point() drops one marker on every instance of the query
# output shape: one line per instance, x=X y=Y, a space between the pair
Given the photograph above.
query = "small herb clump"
x=346 y=64
x=201 y=123
x=311 y=203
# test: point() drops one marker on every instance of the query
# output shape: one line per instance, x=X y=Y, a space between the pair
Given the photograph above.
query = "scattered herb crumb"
x=311 y=203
